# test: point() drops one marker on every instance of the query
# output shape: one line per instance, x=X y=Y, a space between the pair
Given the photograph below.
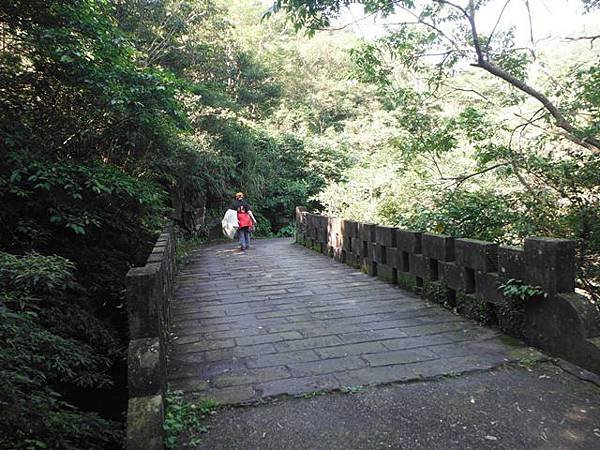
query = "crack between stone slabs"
x=340 y=390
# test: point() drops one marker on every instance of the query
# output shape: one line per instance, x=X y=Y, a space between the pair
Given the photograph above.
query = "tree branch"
x=461 y=179
x=584 y=38
x=561 y=122
x=487 y=44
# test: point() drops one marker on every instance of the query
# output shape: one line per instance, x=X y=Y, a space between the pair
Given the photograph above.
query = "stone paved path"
x=281 y=319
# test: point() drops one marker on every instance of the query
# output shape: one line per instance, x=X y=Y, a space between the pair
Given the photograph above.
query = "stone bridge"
x=280 y=319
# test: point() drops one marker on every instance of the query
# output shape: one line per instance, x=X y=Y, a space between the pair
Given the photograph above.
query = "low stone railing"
x=149 y=291
x=466 y=275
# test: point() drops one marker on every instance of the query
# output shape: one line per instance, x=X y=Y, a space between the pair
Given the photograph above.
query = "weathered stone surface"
x=424 y=416
x=550 y=264
x=409 y=241
x=302 y=322
x=350 y=228
x=418 y=265
x=479 y=255
x=145 y=416
x=511 y=262
x=407 y=281
x=450 y=274
x=142 y=294
x=321 y=223
x=146 y=371
x=347 y=243
x=334 y=236
x=562 y=324
x=391 y=257
x=438 y=247
x=386 y=273
x=379 y=254
x=487 y=287
x=385 y=236
x=400 y=357
x=367 y=232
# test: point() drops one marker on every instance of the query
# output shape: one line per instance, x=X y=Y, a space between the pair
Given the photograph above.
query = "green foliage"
x=185 y=245
x=183 y=418
x=474 y=308
x=287 y=231
x=512 y=311
x=518 y=290
x=436 y=292
x=483 y=214
x=51 y=348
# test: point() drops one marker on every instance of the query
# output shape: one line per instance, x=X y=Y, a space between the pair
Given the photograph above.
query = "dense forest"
x=119 y=116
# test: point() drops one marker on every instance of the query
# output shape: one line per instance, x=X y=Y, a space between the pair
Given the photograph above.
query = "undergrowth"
x=187 y=418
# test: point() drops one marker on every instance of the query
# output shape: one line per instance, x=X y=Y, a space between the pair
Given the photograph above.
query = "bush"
x=49 y=347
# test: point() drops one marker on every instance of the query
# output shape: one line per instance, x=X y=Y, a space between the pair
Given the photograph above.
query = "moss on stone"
x=407 y=281
x=526 y=356
x=509 y=340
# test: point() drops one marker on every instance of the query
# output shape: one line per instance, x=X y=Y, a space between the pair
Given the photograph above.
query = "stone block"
x=450 y=274
x=418 y=265
x=143 y=293
x=155 y=258
x=478 y=255
x=146 y=371
x=311 y=226
x=379 y=254
x=486 y=287
x=347 y=243
x=352 y=260
x=145 y=417
x=402 y=260
x=550 y=263
x=561 y=324
x=437 y=246
x=367 y=232
x=372 y=251
x=386 y=236
x=511 y=262
x=334 y=233
x=350 y=228
x=409 y=241
x=386 y=273
x=368 y=266
x=392 y=257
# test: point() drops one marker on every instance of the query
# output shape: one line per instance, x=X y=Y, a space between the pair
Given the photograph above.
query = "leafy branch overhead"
x=455 y=26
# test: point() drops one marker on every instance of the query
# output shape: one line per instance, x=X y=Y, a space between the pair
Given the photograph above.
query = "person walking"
x=245 y=218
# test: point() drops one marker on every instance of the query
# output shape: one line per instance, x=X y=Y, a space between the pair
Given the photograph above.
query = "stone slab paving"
x=281 y=319
x=508 y=408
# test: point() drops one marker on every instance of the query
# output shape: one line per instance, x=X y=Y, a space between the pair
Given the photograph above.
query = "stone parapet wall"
x=149 y=290
x=466 y=274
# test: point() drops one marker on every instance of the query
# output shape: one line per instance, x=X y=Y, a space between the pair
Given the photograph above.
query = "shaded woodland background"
x=118 y=116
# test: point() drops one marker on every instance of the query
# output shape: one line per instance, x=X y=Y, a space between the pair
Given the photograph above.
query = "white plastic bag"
x=230 y=223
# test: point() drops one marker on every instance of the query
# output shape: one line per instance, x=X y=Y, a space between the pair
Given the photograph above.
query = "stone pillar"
x=145 y=417
x=143 y=306
x=550 y=264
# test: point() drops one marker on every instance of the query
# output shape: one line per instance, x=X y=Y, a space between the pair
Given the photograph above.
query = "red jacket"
x=244 y=219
